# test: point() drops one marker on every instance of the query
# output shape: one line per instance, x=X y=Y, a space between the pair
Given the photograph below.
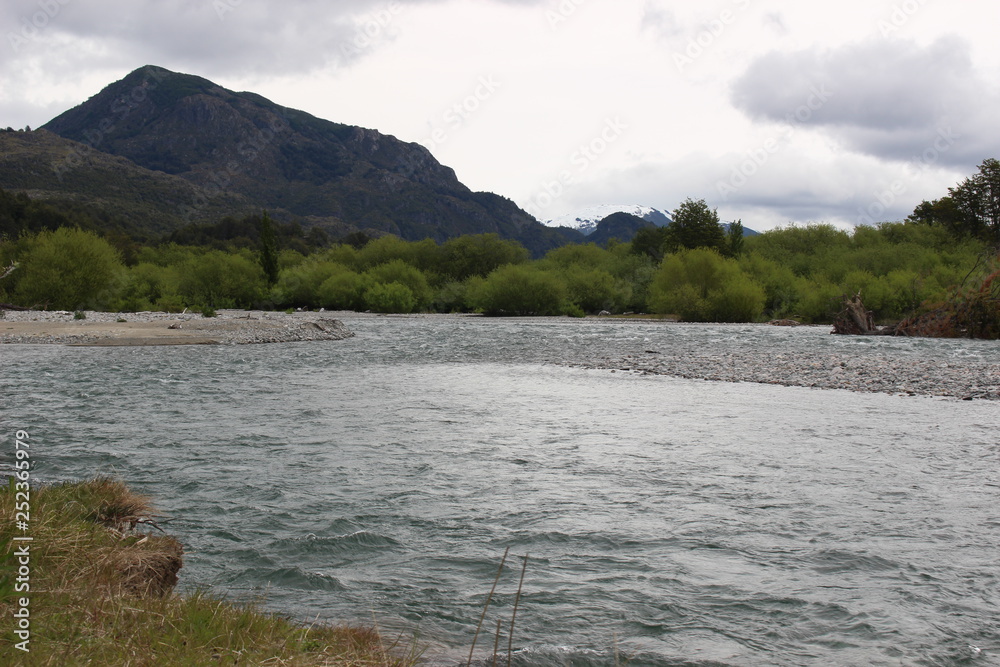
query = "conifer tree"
x=268 y=250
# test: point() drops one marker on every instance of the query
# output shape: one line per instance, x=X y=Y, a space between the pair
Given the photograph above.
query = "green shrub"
x=452 y=297
x=701 y=285
x=169 y=303
x=779 y=282
x=390 y=298
x=398 y=271
x=221 y=279
x=738 y=301
x=68 y=269
x=343 y=290
x=820 y=301
x=143 y=285
x=520 y=290
x=297 y=286
x=594 y=290
x=478 y=255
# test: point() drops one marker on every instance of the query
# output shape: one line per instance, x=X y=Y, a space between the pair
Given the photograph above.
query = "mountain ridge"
x=587 y=219
x=241 y=145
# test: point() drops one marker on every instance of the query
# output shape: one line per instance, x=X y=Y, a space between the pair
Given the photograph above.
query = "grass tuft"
x=102 y=594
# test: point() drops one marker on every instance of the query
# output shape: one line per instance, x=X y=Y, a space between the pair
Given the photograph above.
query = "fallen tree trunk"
x=973 y=313
x=856 y=320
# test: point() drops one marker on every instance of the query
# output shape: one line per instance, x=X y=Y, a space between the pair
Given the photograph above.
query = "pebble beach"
x=228 y=327
x=968 y=380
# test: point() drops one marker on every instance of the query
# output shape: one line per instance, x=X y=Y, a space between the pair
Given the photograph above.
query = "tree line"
x=693 y=269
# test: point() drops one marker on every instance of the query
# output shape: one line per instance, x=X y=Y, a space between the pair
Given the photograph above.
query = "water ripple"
x=675 y=522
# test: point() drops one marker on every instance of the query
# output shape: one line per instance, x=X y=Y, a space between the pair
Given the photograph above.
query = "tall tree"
x=971 y=208
x=268 y=250
x=978 y=197
x=650 y=241
x=695 y=225
x=734 y=238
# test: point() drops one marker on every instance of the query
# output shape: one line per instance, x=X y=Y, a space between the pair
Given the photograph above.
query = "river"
x=670 y=521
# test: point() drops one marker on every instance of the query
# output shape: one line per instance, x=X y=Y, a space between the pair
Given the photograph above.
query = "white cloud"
x=900 y=74
x=891 y=99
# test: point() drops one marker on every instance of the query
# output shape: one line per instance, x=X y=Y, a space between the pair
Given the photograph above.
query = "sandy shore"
x=229 y=327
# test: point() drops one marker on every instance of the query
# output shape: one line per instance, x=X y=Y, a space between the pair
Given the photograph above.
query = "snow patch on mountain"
x=586 y=220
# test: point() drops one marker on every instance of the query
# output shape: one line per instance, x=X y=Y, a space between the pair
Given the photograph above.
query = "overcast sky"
x=772 y=110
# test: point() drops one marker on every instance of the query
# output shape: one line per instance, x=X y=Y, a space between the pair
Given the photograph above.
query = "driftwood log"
x=974 y=313
x=856 y=320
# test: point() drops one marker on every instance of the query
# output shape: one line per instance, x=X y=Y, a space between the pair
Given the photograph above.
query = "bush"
x=520 y=290
x=779 y=282
x=700 y=285
x=595 y=290
x=479 y=255
x=68 y=269
x=297 y=286
x=820 y=301
x=221 y=279
x=452 y=297
x=171 y=303
x=344 y=290
x=398 y=271
x=738 y=301
x=144 y=285
x=390 y=298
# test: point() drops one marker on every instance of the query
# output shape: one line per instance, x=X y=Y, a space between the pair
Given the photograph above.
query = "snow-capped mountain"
x=586 y=220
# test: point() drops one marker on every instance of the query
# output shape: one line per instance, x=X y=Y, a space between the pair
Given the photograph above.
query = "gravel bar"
x=228 y=327
x=872 y=373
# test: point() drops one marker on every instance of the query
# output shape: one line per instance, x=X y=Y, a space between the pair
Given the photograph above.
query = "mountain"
x=149 y=203
x=241 y=150
x=586 y=220
x=619 y=226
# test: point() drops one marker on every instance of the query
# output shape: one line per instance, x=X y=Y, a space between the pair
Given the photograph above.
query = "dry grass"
x=101 y=594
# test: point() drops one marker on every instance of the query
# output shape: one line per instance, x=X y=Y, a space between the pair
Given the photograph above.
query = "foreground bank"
x=88 y=588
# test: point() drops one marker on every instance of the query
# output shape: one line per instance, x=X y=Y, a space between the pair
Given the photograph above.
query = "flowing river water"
x=668 y=521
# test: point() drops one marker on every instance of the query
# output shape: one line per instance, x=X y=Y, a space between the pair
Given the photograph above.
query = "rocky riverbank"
x=228 y=327
x=870 y=373
x=740 y=357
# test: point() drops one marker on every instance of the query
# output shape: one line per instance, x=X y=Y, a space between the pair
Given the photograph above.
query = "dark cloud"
x=230 y=36
x=890 y=99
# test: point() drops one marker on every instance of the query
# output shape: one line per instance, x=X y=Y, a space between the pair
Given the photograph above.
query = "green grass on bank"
x=101 y=593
